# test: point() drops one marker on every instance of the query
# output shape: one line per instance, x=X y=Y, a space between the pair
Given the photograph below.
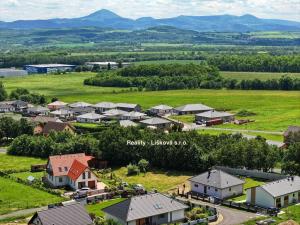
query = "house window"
x=60 y=180
x=230 y=189
x=66 y=168
x=196 y=185
x=161 y=216
x=83 y=175
x=59 y=168
x=89 y=175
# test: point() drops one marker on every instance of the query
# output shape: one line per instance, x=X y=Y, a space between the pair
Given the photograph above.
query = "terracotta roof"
x=76 y=170
x=56 y=126
x=61 y=164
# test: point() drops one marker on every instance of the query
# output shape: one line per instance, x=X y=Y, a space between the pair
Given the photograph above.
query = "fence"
x=252 y=173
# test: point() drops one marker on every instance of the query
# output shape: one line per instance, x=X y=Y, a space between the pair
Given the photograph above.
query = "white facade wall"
x=80 y=179
x=262 y=198
x=84 y=120
x=232 y=191
x=177 y=215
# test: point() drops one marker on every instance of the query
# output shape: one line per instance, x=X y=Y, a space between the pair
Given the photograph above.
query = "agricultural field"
x=97 y=208
x=162 y=181
x=275 y=110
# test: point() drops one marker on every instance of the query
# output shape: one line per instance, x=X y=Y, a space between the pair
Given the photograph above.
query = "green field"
x=15 y=196
x=25 y=175
x=8 y=162
x=256 y=75
x=97 y=208
x=160 y=180
x=249 y=183
x=275 y=110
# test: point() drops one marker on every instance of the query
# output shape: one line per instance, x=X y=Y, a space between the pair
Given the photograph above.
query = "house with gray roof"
x=6 y=107
x=279 y=193
x=129 y=107
x=79 y=105
x=213 y=115
x=81 y=110
x=74 y=214
x=157 y=122
x=114 y=114
x=62 y=113
x=217 y=183
x=133 y=116
x=161 y=110
x=192 y=109
x=38 y=110
x=89 y=118
x=154 y=208
x=104 y=106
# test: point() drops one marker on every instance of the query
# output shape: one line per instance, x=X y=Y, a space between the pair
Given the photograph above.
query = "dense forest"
x=183 y=76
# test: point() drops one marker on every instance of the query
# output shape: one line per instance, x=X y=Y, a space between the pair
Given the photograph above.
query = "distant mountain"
x=107 y=19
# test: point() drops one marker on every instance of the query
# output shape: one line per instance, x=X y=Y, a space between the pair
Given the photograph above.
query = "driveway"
x=230 y=216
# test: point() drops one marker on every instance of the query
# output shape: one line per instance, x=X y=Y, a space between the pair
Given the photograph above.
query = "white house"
x=161 y=110
x=217 y=183
x=192 y=109
x=133 y=116
x=152 y=209
x=89 y=118
x=212 y=115
x=71 y=170
x=280 y=193
x=104 y=106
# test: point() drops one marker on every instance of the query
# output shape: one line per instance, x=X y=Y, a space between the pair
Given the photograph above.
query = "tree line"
x=184 y=76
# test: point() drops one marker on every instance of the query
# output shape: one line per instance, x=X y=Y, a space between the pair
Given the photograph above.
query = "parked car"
x=139 y=188
x=82 y=193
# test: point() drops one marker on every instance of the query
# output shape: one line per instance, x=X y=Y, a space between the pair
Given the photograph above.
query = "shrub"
x=132 y=169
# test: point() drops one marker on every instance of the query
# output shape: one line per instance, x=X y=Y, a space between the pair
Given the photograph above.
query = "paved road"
x=230 y=216
x=23 y=212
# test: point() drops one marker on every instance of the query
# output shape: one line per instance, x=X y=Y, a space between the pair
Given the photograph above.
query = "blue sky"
x=43 y=9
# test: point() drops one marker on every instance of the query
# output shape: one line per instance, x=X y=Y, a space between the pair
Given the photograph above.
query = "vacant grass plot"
x=9 y=162
x=161 y=180
x=15 y=196
x=25 y=175
x=256 y=75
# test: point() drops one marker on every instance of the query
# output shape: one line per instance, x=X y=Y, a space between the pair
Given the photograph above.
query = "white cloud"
x=43 y=9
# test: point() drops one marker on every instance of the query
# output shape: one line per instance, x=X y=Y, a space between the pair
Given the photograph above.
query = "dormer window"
x=66 y=168
x=60 y=169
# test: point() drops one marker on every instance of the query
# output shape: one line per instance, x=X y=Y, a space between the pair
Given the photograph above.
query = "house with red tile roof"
x=71 y=170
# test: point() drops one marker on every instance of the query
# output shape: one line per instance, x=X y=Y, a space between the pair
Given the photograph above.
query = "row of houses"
x=221 y=185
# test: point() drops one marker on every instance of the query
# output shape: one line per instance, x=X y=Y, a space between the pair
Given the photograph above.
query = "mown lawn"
x=97 y=208
x=162 y=181
x=249 y=183
x=15 y=196
x=275 y=110
x=9 y=162
x=25 y=175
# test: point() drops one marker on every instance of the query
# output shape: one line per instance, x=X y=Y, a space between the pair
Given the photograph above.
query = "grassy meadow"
x=15 y=196
x=162 y=181
x=275 y=110
x=9 y=162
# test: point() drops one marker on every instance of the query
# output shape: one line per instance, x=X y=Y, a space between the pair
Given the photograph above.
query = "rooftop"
x=155 y=121
x=106 y=105
x=217 y=178
x=74 y=214
x=50 y=65
x=214 y=114
x=57 y=103
x=144 y=206
x=127 y=105
x=283 y=186
x=92 y=116
x=114 y=112
x=162 y=107
x=193 y=107
x=55 y=126
x=127 y=123
x=80 y=105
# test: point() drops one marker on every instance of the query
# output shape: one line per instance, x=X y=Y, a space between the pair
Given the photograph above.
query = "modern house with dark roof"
x=152 y=209
x=62 y=113
x=133 y=116
x=213 y=115
x=38 y=110
x=161 y=110
x=280 y=193
x=89 y=118
x=157 y=122
x=71 y=170
x=74 y=214
x=6 y=107
x=192 y=109
x=129 y=107
x=217 y=183
x=104 y=106
x=114 y=114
